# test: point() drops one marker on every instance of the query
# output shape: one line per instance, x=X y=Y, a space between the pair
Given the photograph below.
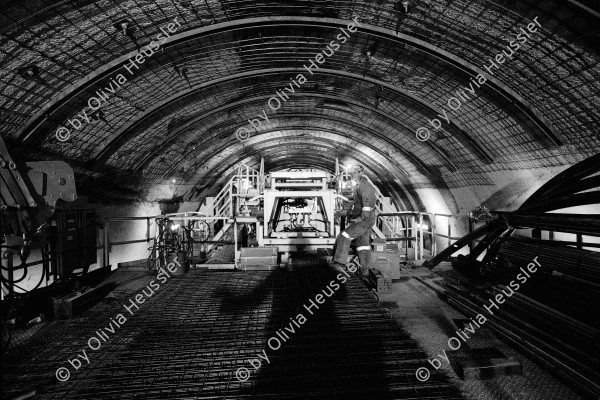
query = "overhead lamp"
x=372 y=49
x=126 y=28
x=348 y=166
x=99 y=115
x=122 y=26
x=174 y=227
x=407 y=6
x=245 y=184
x=29 y=72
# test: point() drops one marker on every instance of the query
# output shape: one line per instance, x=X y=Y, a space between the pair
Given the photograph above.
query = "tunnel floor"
x=190 y=337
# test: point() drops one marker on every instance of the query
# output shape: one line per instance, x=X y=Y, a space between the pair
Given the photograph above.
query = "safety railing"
x=449 y=218
x=419 y=231
x=199 y=239
x=108 y=244
x=248 y=178
x=239 y=186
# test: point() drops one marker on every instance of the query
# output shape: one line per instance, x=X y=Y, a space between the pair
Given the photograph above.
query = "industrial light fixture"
x=99 y=115
x=182 y=72
x=122 y=26
x=348 y=166
x=29 y=72
x=245 y=184
x=372 y=50
x=402 y=8
x=407 y=6
x=126 y=28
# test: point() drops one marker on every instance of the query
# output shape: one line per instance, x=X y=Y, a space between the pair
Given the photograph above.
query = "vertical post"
x=406 y=237
x=433 y=242
x=235 y=243
x=46 y=259
x=231 y=213
x=159 y=235
x=106 y=258
x=147 y=229
x=103 y=259
x=579 y=241
x=338 y=177
x=267 y=213
x=471 y=227
x=259 y=236
x=449 y=230
x=262 y=174
x=420 y=236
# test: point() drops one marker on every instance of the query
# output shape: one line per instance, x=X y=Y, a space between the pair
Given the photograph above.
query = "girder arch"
x=316 y=161
x=444 y=158
x=344 y=122
x=393 y=179
x=327 y=22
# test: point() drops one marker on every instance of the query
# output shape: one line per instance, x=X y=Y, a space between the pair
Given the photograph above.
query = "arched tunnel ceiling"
x=539 y=109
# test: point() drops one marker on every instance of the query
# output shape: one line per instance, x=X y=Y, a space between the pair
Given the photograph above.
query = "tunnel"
x=300 y=199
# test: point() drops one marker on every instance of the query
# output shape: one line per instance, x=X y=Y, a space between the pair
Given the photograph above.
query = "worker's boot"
x=338 y=266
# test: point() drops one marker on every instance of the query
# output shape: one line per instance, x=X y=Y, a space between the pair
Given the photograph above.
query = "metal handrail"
x=414 y=230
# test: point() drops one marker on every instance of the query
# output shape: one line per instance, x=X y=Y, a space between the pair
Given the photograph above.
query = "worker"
x=364 y=216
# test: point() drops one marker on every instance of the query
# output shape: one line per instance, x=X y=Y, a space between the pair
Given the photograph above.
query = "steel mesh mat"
x=189 y=338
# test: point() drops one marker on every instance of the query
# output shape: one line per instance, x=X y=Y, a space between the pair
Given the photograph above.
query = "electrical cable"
x=25 y=269
x=24 y=291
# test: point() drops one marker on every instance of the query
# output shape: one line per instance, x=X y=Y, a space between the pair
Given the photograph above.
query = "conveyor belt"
x=188 y=339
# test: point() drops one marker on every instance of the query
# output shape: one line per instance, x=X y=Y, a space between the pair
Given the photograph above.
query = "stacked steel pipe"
x=553 y=317
x=582 y=264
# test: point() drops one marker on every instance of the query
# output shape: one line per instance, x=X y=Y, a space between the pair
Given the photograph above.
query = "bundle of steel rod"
x=539 y=316
x=583 y=264
x=564 y=296
x=572 y=362
x=565 y=281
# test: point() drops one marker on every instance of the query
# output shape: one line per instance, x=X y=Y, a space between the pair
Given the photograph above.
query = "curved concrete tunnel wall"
x=532 y=120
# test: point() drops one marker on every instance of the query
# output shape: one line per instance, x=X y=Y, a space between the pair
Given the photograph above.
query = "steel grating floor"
x=188 y=339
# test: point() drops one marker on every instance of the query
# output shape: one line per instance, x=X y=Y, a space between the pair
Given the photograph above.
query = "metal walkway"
x=189 y=338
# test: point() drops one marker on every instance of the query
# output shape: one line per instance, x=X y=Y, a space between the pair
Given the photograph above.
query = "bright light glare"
x=348 y=166
x=425 y=227
x=174 y=227
x=245 y=184
x=174 y=180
